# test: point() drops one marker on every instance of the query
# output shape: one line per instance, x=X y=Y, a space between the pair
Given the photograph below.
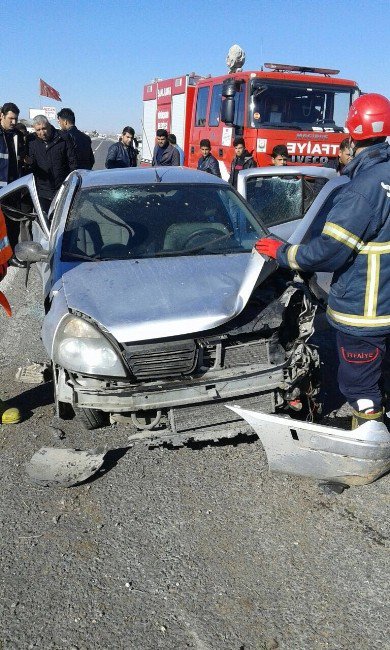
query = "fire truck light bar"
x=282 y=67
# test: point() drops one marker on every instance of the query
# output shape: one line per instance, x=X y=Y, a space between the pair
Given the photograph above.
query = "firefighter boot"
x=9 y=416
x=360 y=417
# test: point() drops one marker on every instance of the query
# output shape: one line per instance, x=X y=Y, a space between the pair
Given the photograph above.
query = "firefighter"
x=7 y=415
x=355 y=245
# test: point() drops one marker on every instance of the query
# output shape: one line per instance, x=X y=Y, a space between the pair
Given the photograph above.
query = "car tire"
x=92 y=418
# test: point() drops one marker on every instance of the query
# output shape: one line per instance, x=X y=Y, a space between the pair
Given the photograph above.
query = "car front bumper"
x=321 y=452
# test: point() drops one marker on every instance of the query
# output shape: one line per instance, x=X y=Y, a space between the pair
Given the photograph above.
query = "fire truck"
x=301 y=107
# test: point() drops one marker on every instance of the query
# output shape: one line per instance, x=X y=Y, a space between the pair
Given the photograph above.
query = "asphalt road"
x=198 y=547
x=100 y=148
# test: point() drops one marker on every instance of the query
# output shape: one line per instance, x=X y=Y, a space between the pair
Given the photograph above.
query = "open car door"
x=19 y=201
x=14 y=192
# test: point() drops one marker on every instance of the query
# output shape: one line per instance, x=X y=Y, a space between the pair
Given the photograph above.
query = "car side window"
x=201 y=106
x=59 y=205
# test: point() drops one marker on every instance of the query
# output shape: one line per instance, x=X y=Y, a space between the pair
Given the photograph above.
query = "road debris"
x=65 y=467
x=34 y=373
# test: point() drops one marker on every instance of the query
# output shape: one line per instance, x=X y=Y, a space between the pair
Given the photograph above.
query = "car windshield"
x=299 y=106
x=279 y=199
x=138 y=221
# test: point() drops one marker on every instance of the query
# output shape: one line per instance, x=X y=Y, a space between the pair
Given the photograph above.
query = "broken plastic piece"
x=35 y=373
x=66 y=467
x=329 y=454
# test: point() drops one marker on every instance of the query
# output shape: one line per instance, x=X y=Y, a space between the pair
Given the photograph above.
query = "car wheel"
x=92 y=418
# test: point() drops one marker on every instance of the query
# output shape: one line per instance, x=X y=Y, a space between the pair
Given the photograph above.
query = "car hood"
x=138 y=300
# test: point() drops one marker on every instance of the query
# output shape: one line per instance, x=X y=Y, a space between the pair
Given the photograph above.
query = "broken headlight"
x=81 y=347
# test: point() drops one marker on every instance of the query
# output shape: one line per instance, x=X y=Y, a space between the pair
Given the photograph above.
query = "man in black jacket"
x=51 y=158
x=12 y=154
x=164 y=154
x=242 y=160
x=122 y=154
x=207 y=162
x=81 y=141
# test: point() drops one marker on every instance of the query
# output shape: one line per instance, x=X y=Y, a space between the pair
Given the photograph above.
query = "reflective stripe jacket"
x=4 y=158
x=5 y=248
x=355 y=245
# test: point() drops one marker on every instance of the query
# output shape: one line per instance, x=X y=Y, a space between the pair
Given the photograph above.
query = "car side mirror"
x=31 y=251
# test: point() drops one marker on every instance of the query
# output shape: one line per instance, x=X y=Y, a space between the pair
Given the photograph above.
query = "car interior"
x=147 y=224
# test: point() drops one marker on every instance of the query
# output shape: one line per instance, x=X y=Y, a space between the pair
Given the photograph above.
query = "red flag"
x=49 y=91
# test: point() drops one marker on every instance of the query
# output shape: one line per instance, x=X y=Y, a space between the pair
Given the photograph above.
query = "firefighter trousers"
x=363 y=367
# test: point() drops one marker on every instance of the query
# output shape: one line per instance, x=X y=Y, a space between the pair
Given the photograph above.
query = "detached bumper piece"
x=320 y=452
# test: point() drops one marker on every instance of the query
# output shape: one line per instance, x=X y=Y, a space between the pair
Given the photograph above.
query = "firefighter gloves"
x=267 y=246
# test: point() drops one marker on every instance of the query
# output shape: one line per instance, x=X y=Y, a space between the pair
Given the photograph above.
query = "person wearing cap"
x=355 y=245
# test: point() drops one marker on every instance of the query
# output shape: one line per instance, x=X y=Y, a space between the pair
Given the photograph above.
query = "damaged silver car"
x=159 y=313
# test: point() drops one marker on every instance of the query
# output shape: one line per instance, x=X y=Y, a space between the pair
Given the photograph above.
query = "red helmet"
x=369 y=117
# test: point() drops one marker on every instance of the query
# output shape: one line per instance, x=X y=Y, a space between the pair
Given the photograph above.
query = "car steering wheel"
x=202 y=231
x=114 y=250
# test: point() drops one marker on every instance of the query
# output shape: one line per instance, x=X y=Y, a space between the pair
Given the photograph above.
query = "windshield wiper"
x=79 y=256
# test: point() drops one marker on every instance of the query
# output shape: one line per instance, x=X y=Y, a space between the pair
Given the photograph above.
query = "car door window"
x=280 y=199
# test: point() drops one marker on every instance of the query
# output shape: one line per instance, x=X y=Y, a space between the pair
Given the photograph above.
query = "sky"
x=100 y=53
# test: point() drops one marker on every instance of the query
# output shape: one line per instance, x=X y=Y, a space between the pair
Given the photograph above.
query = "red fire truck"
x=301 y=107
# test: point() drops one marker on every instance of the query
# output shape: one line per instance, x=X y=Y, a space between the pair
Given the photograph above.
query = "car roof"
x=145 y=176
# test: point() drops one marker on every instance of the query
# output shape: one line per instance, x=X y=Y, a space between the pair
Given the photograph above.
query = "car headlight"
x=80 y=347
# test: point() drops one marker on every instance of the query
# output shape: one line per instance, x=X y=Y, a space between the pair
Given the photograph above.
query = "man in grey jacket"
x=164 y=154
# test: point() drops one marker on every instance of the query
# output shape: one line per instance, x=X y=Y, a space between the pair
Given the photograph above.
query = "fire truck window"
x=240 y=102
x=201 y=106
x=215 y=108
x=295 y=105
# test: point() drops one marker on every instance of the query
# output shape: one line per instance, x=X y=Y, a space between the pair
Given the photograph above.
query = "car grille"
x=214 y=414
x=164 y=359
x=246 y=353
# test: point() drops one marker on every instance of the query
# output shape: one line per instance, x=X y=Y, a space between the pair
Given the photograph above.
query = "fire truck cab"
x=303 y=108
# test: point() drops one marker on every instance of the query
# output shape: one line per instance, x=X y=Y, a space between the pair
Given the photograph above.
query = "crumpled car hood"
x=138 y=300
